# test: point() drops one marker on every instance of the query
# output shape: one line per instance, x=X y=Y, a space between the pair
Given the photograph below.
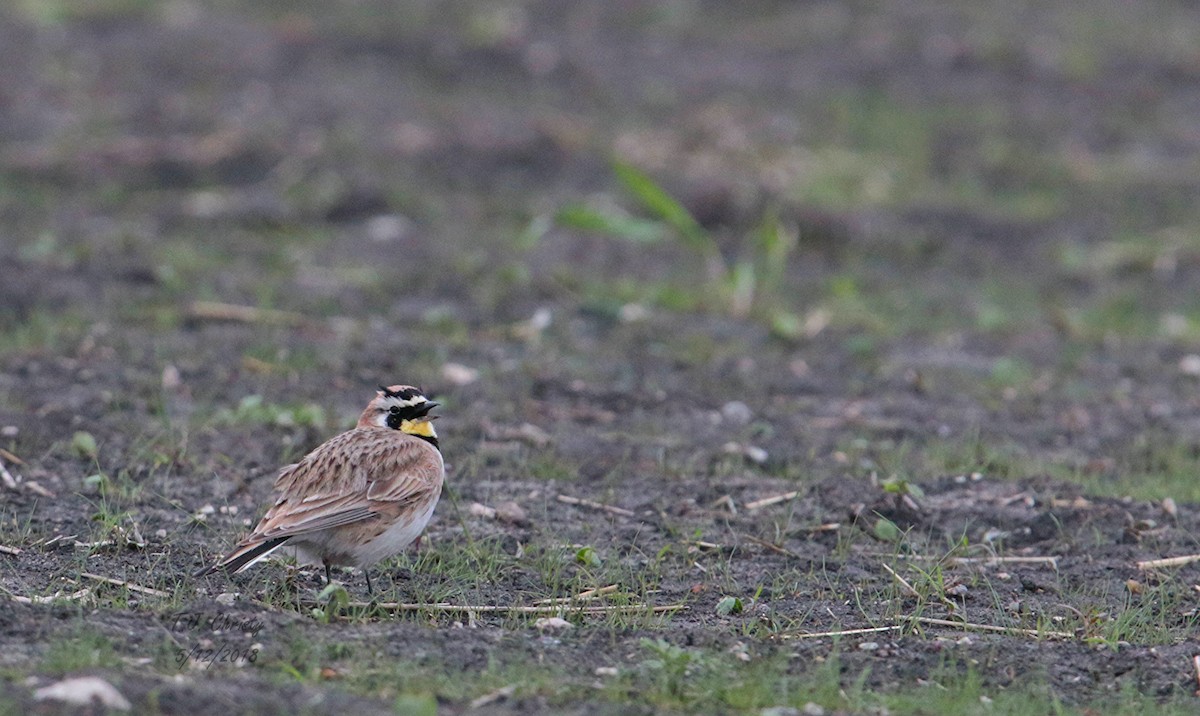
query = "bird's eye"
x=395 y=410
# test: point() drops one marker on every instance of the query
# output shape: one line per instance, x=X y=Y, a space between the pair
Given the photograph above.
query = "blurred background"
x=735 y=279
x=964 y=204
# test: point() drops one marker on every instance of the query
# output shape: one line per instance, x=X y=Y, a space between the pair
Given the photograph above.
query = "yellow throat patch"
x=420 y=428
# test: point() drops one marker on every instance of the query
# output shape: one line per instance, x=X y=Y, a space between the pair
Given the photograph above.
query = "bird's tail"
x=243 y=557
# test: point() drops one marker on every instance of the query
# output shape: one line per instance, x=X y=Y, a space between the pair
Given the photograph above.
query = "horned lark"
x=358 y=498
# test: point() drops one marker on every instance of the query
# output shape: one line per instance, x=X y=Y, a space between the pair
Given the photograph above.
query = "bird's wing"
x=353 y=477
x=285 y=473
x=408 y=475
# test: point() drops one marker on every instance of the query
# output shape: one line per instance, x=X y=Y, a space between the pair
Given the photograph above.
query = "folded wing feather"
x=326 y=489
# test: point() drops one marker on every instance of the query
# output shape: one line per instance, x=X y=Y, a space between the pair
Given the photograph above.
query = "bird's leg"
x=370 y=589
x=328 y=578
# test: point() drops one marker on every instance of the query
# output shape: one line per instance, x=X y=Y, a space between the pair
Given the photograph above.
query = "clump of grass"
x=253 y=409
x=1151 y=465
x=750 y=282
x=40 y=331
x=548 y=465
x=85 y=649
x=334 y=597
x=1149 y=613
x=83 y=444
x=55 y=12
x=114 y=525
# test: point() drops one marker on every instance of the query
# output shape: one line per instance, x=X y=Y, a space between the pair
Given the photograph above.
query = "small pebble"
x=753 y=453
x=512 y=513
x=459 y=374
x=1190 y=364
x=633 y=312
x=84 y=691
x=1169 y=508
x=553 y=624
x=386 y=228
x=481 y=510
x=756 y=454
x=171 y=379
x=736 y=412
x=533 y=328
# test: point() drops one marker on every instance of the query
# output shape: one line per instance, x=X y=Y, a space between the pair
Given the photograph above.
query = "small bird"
x=359 y=497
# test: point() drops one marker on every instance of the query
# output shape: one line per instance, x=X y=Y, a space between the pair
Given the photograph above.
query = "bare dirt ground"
x=971 y=384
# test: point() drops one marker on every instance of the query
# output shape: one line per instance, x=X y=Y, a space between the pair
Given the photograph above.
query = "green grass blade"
x=662 y=205
x=585 y=218
x=743 y=281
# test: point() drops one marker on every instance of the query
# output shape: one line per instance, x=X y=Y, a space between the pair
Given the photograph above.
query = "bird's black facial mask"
x=398 y=414
x=414 y=420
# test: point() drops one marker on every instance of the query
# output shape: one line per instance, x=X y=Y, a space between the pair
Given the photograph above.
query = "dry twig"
x=841 y=632
x=580 y=502
x=548 y=609
x=14 y=551
x=581 y=597
x=217 y=311
x=1026 y=497
x=904 y=584
x=136 y=544
x=1169 y=562
x=50 y=599
x=501 y=693
x=771 y=546
x=1051 y=562
x=50 y=541
x=128 y=585
x=768 y=501
x=6 y=477
x=37 y=489
x=726 y=501
x=971 y=626
x=1075 y=503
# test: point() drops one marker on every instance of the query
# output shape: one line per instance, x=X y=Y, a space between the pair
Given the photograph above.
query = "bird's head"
x=404 y=408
